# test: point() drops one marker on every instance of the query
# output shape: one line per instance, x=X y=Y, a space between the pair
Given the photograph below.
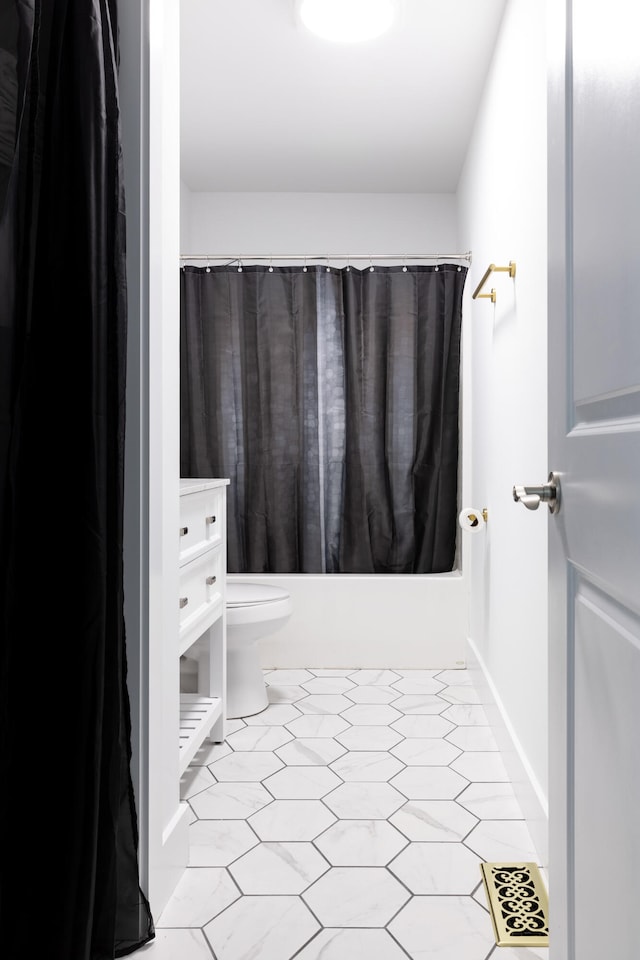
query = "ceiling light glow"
x=347 y=21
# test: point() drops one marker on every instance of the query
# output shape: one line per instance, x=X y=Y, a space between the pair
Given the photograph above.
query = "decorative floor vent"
x=518 y=904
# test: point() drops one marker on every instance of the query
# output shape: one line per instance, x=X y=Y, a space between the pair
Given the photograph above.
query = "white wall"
x=502 y=217
x=319 y=223
x=408 y=622
x=185 y=216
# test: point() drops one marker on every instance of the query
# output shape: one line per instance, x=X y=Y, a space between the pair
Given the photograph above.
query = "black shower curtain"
x=69 y=886
x=330 y=399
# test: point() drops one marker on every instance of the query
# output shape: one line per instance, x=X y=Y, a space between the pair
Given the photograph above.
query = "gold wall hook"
x=511 y=270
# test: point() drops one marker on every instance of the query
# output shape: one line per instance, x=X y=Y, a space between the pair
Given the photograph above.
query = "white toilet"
x=254 y=610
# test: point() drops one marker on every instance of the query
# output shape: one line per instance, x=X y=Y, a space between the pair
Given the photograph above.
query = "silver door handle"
x=548 y=493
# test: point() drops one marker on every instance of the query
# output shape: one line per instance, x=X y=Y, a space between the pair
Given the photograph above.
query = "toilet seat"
x=245 y=594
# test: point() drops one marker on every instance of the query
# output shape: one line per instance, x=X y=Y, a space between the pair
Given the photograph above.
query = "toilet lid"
x=240 y=594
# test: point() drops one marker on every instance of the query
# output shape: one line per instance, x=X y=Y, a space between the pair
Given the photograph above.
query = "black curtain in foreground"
x=330 y=399
x=69 y=839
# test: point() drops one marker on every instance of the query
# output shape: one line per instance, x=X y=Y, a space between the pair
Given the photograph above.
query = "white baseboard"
x=530 y=796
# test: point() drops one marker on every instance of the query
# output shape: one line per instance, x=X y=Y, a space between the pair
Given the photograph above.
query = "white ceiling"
x=266 y=106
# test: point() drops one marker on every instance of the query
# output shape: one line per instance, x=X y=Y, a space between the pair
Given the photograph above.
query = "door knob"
x=548 y=493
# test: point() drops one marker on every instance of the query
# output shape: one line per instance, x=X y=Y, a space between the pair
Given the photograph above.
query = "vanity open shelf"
x=197 y=717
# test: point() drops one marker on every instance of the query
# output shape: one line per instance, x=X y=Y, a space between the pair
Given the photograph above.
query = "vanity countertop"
x=193 y=484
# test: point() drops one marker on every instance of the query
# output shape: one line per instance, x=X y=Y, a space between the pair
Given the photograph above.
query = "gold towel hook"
x=511 y=270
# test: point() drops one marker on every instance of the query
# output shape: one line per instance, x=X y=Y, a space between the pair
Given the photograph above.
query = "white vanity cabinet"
x=202 y=604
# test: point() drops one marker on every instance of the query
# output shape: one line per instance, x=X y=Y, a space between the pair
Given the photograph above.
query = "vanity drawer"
x=201 y=592
x=200 y=522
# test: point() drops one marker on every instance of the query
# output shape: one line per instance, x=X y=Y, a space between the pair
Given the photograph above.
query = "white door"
x=594 y=443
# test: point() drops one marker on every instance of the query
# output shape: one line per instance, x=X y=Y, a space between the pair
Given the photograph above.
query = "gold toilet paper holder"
x=485 y=515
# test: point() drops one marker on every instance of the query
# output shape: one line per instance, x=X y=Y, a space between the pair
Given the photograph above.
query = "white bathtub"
x=407 y=622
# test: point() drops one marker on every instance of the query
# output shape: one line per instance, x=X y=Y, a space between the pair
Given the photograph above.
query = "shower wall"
x=409 y=622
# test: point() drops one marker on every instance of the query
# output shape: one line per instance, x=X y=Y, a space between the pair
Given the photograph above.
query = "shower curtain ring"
x=404 y=264
x=437 y=258
x=270 y=264
x=370 y=266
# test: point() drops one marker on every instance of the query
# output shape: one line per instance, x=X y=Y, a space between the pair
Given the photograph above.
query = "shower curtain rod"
x=328 y=256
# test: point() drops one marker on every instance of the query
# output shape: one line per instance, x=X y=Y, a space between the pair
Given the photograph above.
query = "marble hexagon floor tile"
x=444 y=928
x=302 y=783
x=345 y=944
x=368 y=765
x=311 y=751
x=324 y=672
x=466 y=714
x=216 y=843
x=248 y=766
x=384 y=677
x=437 y=868
x=234 y=801
x=259 y=738
x=455 y=678
x=356 y=897
x=426 y=751
x=317 y=725
x=486 y=766
x=328 y=685
x=423 y=725
x=372 y=693
x=491 y=801
x=438 y=820
x=261 y=927
x=464 y=693
x=276 y=714
x=429 y=783
x=375 y=801
x=188 y=944
x=371 y=714
x=419 y=685
x=323 y=703
x=361 y=843
x=502 y=840
x=347 y=821
x=420 y=703
x=201 y=894
x=279 y=693
x=369 y=738
x=291 y=820
x=275 y=868
x=473 y=738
